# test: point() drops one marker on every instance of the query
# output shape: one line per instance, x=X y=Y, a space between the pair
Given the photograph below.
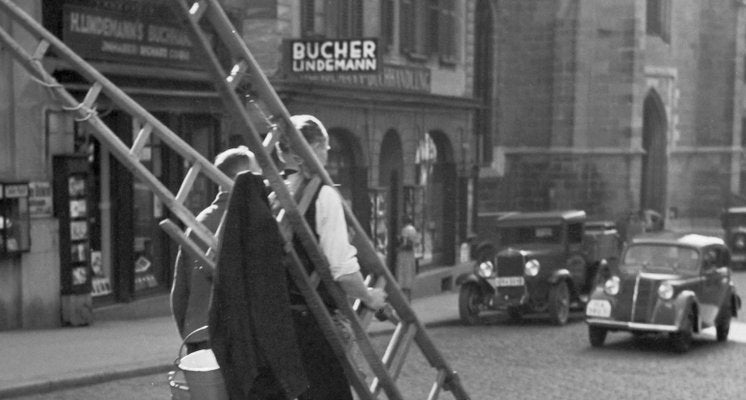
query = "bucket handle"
x=184 y=342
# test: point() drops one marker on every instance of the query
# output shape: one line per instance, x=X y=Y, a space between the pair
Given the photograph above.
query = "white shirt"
x=331 y=227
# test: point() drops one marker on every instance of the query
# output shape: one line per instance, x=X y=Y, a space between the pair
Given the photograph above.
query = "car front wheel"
x=596 y=335
x=469 y=301
x=559 y=303
x=682 y=340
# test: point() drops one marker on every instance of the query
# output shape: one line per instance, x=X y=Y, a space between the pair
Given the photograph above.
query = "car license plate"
x=509 y=281
x=598 y=308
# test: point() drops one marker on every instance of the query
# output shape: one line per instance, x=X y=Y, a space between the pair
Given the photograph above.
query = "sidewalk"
x=34 y=361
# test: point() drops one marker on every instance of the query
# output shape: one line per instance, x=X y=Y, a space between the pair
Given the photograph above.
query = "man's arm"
x=354 y=286
x=180 y=291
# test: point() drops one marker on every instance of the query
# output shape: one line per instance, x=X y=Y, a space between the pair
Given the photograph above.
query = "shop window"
x=331 y=18
x=15 y=225
x=658 y=19
x=428 y=29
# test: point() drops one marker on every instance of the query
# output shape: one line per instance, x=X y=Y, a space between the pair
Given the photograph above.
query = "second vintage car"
x=734 y=225
x=672 y=283
x=535 y=262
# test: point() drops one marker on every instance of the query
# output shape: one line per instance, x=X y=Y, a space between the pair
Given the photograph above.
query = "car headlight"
x=611 y=286
x=485 y=269
x=532 y=267
x=665 y=291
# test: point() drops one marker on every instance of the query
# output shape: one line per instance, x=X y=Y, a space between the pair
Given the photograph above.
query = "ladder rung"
x=437 y=385
x=273 y=136
x=189 y=179
x=187 y=244
x=237 y=72
x=396 y=352
x=41 y=50
x=197 y=10
x=141 y=140
x=92 y=95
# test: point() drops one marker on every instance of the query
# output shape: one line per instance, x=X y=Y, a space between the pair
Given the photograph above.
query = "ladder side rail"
x=113 y=92
x=327 y=325
x=270 y=171
x=187 y=244
x=108 y=138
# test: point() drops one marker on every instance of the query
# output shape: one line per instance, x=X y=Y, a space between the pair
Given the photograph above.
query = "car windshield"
x=660 y=258
x=530 y=234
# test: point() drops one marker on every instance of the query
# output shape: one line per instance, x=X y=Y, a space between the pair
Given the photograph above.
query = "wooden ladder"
x=263 y=118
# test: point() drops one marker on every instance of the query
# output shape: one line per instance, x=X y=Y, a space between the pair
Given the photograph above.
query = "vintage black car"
x=734 y=224
x=535 y=262
x=666 y=282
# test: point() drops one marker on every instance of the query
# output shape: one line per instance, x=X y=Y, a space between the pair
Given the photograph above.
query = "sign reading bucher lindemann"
x=333 y=55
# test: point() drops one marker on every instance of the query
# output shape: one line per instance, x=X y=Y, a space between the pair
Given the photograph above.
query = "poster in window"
x=79 y=252
x=78 y=208
x=80 y=275
x=97 y=263
x=76 y=186
x=78 y=230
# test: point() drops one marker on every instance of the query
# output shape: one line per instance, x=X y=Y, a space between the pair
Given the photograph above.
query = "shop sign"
x=106 y=35
x=13 y=191
x=392 y=77
x=333 y=56
x=40 y=199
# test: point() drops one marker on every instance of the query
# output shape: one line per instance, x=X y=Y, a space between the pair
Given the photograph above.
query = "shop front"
x=128 y=256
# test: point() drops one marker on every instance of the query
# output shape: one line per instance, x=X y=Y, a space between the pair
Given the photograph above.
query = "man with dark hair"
x=192 y=285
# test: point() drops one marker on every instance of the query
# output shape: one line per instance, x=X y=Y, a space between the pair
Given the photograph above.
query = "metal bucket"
x=202 y=372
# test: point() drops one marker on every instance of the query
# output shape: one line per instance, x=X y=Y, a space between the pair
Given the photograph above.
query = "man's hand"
x=376 y=298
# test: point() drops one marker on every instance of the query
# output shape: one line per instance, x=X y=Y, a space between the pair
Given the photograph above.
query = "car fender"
x=559 y=275
x=473 y=279
x=466 y=277
x=683 y=302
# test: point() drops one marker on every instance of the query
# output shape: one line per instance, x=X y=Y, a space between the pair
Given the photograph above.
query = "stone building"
x=616 y=105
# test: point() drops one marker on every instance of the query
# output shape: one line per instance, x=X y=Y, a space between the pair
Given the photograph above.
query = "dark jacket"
x=250 y=323
x=190 y=294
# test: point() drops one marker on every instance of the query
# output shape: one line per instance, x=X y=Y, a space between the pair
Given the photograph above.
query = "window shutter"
x=357 y=18
x=653 y=17
x=307 y=16
x=447 y=30
x=406 y=26
x=666 y=20
x=387 y=24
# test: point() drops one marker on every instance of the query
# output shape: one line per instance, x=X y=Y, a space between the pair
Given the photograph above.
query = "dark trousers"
x=266 y=387
x=325 y=373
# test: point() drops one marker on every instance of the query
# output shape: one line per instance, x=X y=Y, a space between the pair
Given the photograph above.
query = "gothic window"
x=658 y=19
x=428 y=28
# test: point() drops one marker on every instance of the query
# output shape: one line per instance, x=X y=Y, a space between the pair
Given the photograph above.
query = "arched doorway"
x=654 y=161
x=437 y=180
x=347 y=168
x=386 y=199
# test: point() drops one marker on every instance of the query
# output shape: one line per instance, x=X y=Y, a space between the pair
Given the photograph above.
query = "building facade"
x=403 y=138
x=614 y=106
